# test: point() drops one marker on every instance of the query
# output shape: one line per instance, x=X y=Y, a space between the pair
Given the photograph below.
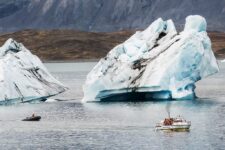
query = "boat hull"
x=36 y=118
x=174 y=127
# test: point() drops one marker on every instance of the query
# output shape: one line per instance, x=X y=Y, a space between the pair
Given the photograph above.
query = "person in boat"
x=33 y=115
x=168 y=121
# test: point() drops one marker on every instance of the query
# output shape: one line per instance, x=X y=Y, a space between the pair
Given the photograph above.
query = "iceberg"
x=23 y=77
x=157 y=63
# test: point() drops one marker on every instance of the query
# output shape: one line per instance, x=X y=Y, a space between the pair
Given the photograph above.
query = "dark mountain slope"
x=105 y=15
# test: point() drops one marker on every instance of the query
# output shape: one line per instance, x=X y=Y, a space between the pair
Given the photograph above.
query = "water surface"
x=70 y=124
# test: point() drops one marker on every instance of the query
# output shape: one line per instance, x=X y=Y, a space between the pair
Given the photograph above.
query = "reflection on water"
x=120 y=125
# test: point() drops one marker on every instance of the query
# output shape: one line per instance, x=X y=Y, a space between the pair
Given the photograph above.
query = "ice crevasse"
x=23 y=77
x=157 y=63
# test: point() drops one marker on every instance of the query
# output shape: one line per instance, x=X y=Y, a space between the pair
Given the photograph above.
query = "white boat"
x=174 y=124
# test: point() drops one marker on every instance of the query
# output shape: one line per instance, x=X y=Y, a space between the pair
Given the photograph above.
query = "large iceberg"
x=23 y=77
x=157 y=63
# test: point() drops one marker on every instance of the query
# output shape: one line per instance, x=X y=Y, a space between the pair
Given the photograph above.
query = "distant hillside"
x=73 y=45
x=218 y=43
x=67 y=44
x=105 y=15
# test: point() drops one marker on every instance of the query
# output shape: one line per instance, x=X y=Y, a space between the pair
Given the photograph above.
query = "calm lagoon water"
x=70 y=124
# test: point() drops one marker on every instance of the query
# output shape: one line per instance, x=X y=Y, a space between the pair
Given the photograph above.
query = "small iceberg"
x=23 y=77
x=157 y=63
x=50 y=100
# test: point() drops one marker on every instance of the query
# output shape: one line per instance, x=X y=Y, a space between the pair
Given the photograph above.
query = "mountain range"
x=105 y=15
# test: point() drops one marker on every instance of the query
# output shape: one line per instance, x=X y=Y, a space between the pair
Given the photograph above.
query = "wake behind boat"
x=174 y=124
